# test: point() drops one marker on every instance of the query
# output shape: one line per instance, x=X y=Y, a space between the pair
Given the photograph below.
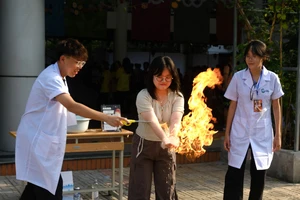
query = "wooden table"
x=80 y=144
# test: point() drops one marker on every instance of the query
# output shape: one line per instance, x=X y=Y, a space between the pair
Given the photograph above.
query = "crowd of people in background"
x=120 y=82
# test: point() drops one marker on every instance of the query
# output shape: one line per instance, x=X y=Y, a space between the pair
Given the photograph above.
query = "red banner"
x=151 y=21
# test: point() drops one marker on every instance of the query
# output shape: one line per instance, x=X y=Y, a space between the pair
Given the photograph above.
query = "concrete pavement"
x=201 y=181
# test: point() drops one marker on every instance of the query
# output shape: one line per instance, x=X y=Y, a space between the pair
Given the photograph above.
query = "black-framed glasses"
x=161 y=78
x=252 y=90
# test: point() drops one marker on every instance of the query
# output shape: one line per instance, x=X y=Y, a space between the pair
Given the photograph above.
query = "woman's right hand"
x=227 y=142
x=115 y=121
x=170 y=142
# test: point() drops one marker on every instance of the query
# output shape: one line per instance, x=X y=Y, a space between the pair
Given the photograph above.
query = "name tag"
x=257 y=105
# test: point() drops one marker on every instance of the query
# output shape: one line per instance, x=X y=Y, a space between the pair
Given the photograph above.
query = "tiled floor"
x=202 y=181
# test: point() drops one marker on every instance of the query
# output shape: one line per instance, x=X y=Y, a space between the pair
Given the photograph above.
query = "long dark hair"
x=156 y=68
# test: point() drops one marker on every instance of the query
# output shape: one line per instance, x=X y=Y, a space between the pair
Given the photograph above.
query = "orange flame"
x=197 y=128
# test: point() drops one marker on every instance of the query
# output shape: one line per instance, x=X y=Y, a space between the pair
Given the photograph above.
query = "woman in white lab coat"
x=252 y=91
x=42 y=132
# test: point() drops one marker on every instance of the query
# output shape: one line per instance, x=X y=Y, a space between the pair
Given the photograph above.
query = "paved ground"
x=202 y=181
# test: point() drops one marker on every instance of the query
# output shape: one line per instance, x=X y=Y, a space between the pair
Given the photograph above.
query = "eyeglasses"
x=252 y=90
x=161 y=78
x=80 y=64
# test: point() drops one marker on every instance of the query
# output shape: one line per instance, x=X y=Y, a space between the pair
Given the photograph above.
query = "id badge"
x=257 y=105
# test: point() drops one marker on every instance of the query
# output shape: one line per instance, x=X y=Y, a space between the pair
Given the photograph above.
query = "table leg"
x=121 y=157
x=113 y=168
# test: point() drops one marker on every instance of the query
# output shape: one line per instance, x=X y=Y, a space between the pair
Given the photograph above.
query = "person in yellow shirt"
x=123 y=76
x=105 y=84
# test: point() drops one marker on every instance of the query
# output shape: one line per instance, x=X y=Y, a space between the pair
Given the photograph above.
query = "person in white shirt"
x=42 y=132
x=253 y=92
x=162 y=104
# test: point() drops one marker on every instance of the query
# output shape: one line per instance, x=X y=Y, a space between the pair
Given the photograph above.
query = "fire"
x=197 y=128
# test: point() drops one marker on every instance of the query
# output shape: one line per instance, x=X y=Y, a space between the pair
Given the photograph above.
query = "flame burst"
x=197 y=128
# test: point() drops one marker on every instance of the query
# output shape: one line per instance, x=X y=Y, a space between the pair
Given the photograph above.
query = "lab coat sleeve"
x=232 y=89
x=277 y=92
x=53 y=86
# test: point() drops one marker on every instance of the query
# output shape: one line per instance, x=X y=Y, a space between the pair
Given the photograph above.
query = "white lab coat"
x=249 y=127
x=41 y=135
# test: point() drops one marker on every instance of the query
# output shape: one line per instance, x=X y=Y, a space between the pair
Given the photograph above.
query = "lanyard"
x=258 y=82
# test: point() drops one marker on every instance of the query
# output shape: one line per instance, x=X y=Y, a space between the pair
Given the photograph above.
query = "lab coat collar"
x=248 y=78
x=56 y=70
x=266 y=77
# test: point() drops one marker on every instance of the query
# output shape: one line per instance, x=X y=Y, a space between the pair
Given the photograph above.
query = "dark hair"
x=156 y=68
x=118 y=63
x=258 y=48
x=137 y=65
x=126 y=62
x=73 y=48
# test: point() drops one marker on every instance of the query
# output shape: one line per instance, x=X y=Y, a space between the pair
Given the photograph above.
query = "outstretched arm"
x=67 y=101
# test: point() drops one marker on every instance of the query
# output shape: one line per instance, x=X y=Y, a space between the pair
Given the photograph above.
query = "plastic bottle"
x=95 y=194
x=77 y=195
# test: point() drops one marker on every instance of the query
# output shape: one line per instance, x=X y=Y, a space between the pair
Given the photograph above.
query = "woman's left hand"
x=276 y=143
x=170 y=142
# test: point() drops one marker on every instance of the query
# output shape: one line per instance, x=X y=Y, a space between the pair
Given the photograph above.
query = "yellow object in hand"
x=130 y=121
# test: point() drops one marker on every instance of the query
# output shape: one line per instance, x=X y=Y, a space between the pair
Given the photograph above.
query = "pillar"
x=22 y=58
x=120 y=43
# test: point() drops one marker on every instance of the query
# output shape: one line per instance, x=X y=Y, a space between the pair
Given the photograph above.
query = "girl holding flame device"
x=163 y=105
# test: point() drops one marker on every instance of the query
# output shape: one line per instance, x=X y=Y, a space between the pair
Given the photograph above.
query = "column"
x=120 y=43
x=22 y=58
